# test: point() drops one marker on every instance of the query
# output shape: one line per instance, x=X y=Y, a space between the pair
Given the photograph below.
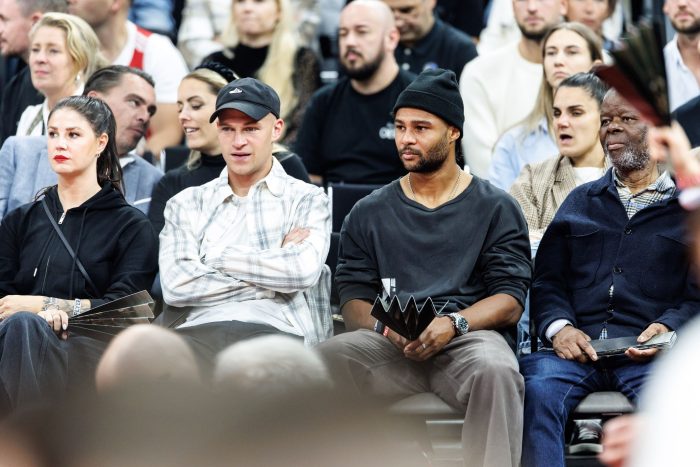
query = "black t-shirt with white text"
x=349 y=137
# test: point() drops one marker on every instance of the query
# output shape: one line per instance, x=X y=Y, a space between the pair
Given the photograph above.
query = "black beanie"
x=436 y=91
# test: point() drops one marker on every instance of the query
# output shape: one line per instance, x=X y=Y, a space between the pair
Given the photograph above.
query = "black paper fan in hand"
x=409 y=322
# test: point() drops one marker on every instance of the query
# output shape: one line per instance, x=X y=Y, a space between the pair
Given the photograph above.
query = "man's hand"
x=645 y=355
x=438 y=333
x=397 y=339
x=11 y=304
x=57 y=319
x=573 y=344
x=296 y=236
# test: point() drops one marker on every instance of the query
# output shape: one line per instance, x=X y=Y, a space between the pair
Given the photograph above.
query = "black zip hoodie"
x=114 y=241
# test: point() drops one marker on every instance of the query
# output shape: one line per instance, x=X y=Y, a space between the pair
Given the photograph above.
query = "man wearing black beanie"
x=442 y=233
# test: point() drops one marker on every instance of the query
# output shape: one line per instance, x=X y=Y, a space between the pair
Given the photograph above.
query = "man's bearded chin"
x=630 y=160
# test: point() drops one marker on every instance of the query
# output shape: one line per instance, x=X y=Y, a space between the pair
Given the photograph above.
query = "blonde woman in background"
x=262 y=42
x=204 y=23
x=196 y=99
x=568 y=48
x=64 y=51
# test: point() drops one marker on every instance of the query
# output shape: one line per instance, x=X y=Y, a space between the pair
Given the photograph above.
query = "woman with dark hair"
x=567 y=48
x=78 y=245
x=542 y=187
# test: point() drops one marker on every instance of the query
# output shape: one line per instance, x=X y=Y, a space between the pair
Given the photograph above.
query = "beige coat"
x=541 y=188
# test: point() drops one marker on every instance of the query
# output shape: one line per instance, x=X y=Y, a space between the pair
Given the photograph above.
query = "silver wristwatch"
x=460 y=323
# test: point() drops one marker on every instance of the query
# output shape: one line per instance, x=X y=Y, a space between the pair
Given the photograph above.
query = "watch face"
x=460 y=323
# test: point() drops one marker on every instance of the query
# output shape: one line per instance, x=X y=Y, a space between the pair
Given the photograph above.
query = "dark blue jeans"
x=36 y=365
x=554 y=387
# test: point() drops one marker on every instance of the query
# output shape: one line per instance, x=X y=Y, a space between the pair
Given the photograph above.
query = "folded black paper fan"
x=410 y=321
x=639 y=72
x=105 y=321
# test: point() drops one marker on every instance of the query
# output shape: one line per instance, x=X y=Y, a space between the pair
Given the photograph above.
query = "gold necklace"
x=452 y=194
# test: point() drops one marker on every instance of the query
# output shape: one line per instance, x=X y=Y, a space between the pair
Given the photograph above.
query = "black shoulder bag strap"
x=67 y=245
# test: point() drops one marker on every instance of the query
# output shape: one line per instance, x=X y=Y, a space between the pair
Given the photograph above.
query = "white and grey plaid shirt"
x=294 y=275
x=662 y=189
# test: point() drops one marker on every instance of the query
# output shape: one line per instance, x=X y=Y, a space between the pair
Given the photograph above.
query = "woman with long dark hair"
x=78 y=245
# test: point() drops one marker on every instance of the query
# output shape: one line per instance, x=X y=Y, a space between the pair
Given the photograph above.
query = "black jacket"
x=114 y=241
x=687 y=116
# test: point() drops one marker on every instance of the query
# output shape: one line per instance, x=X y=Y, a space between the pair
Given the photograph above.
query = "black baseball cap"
x=249 y=95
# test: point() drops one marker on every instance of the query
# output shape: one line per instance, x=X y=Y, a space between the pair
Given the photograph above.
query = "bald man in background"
x=348 y=131
x=146 y=354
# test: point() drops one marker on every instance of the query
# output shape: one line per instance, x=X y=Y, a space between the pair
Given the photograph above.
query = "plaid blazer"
x=541 y=188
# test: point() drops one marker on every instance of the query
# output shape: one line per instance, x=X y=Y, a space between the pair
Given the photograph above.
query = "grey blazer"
x=24 y=171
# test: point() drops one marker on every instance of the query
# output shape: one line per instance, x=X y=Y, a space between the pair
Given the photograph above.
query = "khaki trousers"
x=477 y=373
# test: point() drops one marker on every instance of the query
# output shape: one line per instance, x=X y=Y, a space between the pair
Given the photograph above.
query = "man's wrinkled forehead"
x=615 y=104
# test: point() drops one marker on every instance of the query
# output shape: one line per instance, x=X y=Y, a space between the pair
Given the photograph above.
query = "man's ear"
x=35 y=17
x=277 y=129
x=94 y=94
x=391 y=40
x=117 y=5
x=565 y=3
x=454 y=133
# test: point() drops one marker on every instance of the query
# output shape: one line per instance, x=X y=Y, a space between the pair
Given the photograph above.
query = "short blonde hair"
x=81 y=41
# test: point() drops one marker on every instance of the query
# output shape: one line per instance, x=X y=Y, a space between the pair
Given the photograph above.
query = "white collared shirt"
x=682 y=84
x=223 y=274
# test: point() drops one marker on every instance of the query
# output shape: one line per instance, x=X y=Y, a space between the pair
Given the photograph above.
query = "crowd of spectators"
x=515 y=191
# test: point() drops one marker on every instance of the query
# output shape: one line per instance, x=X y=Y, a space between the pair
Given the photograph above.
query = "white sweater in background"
x=499 y=90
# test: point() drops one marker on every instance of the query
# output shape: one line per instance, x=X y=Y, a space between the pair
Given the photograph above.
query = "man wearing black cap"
x=243 y=255
x=438 y=232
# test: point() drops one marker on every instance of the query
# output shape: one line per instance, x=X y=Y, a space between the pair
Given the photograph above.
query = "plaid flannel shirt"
x=662 y=189
x=297 y=273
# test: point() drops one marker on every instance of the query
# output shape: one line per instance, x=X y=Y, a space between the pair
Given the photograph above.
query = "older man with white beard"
x=612 y=264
